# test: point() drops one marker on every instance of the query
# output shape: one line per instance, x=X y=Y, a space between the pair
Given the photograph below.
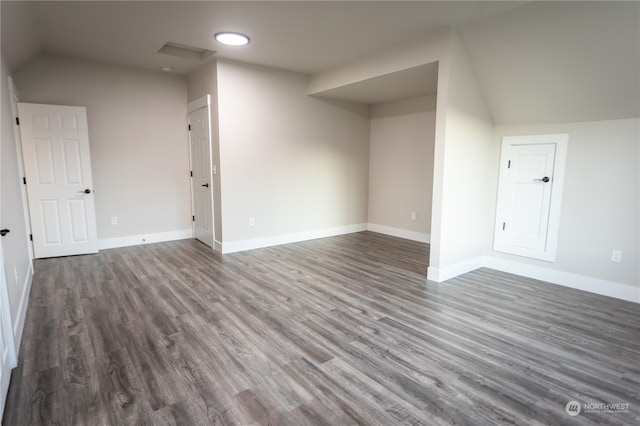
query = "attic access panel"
x=184 y=51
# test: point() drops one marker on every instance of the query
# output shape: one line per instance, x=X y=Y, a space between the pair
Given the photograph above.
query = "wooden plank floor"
x=336 y=331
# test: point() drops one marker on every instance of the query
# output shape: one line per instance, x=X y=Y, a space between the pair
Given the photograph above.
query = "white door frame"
x=561 y=141
x=7 y=332
x=203 y=102
x=13 y=95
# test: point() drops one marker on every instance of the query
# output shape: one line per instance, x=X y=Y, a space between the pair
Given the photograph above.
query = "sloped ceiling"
x=300 y=36
x=536 y=62
x=558 y=61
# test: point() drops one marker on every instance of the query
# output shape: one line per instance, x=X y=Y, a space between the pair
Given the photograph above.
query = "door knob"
x=544 y=179
x=206 y=185
x=87 y=191
x=4 y=232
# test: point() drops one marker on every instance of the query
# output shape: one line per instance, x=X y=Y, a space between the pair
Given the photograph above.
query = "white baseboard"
x=18 y=326
x=566 y=279
x=276 y=240
x=400 y=233
x=443 y=274
x=134 y=240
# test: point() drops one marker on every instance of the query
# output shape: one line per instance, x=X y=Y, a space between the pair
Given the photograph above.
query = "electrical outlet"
x=616 y=256
x=114 y=220
x=413 y=216
x=252 y=222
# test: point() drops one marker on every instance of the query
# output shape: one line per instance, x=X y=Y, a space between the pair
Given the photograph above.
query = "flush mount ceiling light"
x=166 y=68
x=232 y=39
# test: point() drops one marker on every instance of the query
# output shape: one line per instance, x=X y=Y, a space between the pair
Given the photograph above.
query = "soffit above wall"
x=408 y=83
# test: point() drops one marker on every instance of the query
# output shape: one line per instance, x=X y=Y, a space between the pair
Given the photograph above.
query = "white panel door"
x=201 y=175
x=57 y=162
x=7 y=349
x=528 y=195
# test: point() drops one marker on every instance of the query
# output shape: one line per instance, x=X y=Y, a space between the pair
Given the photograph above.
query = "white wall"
x=297 y=164
x=462 y=166
x=139 y=142
x=15 y=244
x=600 y=208
x=401 y=167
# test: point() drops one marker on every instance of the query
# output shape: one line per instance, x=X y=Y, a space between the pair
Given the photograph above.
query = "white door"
x=7 y=349
x=201 y=170
x=529 y=195
x=57 y=163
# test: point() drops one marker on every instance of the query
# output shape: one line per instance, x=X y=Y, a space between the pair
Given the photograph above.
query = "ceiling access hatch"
x=185 y=51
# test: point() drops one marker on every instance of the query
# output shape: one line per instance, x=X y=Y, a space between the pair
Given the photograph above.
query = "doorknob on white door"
x=544 y=179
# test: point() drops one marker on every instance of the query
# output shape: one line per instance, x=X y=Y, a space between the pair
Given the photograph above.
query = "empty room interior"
x=315 y=212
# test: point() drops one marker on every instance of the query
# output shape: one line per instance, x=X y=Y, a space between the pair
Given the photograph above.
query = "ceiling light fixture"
x=166 y=68
x=232 y=39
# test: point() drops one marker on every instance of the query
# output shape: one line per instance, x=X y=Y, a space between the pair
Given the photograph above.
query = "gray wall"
x=138 y=136
x=600 y=206
x=295 y=163
x=401 y=165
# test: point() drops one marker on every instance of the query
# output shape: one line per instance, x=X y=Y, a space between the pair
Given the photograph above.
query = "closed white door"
x=7 y=350
x=530 y=184
x=57 y=162
x=201 y=175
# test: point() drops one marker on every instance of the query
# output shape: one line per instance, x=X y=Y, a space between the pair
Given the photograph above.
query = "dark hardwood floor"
x=336 y=331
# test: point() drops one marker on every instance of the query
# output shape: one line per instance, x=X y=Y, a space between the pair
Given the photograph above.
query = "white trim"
x=14 y=99
x=217 y=246
x=566 y=279
x=134 y=240
x=275 y=240
x=196 y=104
x=21 y=315
x=400 y=233
x=193 y=106
x=6 y=323
x=443 y=274
x=561 y=141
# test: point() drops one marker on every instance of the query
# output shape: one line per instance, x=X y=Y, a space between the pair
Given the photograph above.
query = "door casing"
x=8 y=358
x=202 y=171
x=547 y=250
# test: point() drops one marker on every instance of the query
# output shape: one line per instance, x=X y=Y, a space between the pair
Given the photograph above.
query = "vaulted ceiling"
x=536 y=62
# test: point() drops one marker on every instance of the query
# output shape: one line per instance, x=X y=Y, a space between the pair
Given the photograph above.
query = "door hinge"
x=18 y=121
x=191 y=173
x=509 y=164
x=189 y=127
x=24 y=180
x=30 y=237
x=503 y=225
x=193 y=218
